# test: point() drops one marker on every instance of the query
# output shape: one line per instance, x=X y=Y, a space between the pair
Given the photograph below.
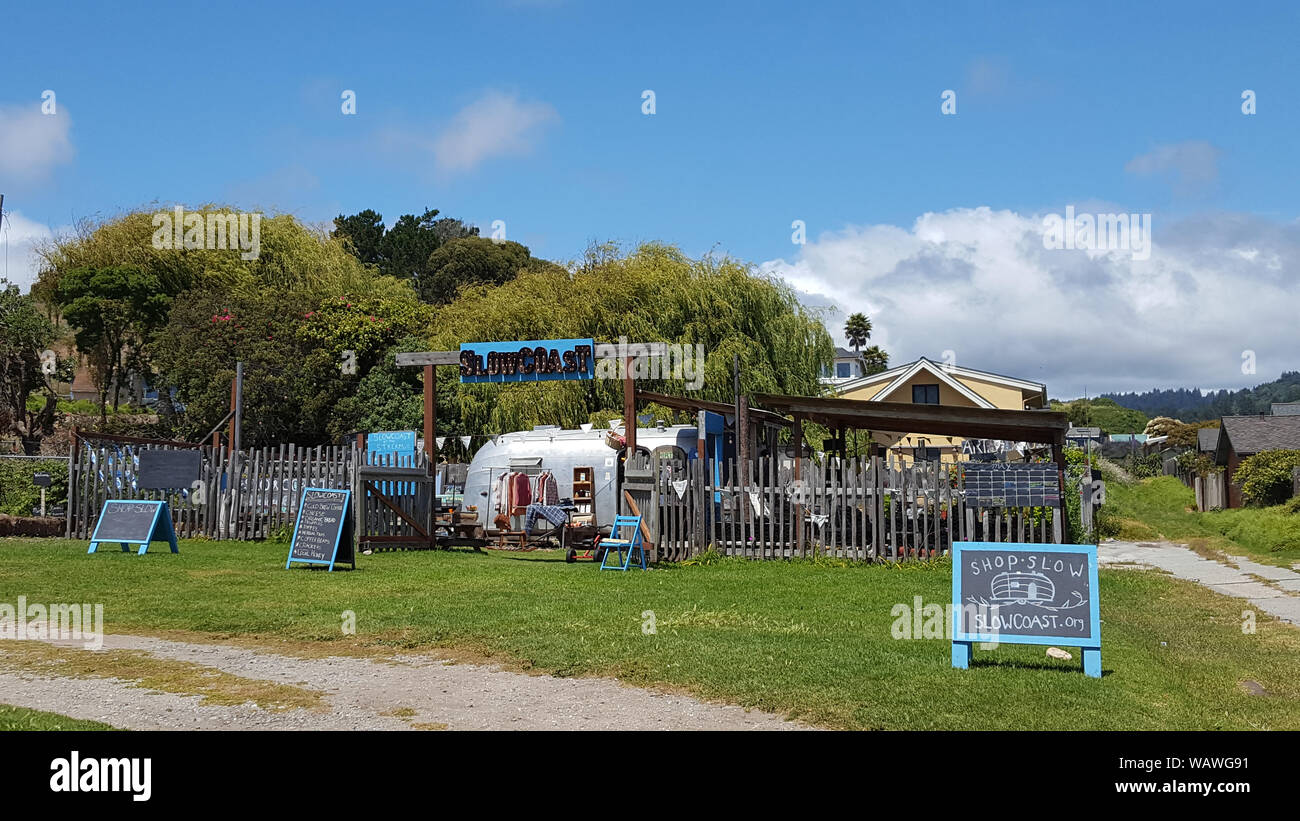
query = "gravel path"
x=364 y=694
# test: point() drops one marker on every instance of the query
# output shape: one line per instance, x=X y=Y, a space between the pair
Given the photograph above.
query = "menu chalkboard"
x=323 y=532
x=168 y=469
x=1025 y=594
x=133 y=522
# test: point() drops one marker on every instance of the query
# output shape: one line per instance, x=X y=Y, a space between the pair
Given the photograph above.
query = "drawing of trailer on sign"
x=1025 y=594
x=130 y=522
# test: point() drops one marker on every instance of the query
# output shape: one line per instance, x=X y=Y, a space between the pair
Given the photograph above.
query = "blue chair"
x=624 y=547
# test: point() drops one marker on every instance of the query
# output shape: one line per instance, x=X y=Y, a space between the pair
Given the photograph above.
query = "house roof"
x=1207 y=439
x=845 y=353
x=1251 y=434
x=895 y=377
x=1285 y=408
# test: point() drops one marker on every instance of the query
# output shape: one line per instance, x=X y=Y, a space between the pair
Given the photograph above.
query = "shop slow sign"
x=532 y=361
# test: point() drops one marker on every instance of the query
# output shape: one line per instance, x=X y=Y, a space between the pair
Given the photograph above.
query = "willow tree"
x=655 y=294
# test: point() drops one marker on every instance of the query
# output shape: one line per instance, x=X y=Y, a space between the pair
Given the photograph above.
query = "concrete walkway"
x=1275 y=590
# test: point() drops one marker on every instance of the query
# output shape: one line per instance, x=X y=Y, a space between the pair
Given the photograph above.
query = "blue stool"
x=624 y=547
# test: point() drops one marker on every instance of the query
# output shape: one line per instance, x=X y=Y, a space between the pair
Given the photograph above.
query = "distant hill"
x=1189 y=405
x=1103 y=413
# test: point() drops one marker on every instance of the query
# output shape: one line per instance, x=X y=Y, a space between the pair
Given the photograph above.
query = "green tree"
x=874 y=360
x=304 y=359
x=24 y=334
x=470 y=261
x=364 y=235
x=655 y=294
x=113 y=311
x=858 y=330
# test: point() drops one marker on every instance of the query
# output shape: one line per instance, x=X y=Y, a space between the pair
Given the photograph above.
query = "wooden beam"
x=428 y=358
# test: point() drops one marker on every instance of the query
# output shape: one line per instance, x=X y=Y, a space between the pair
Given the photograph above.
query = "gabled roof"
x=1252 y=434
x=1207 y=439
x=896 y=377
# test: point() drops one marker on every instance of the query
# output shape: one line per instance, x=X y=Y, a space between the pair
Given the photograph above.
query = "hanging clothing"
x=521 y=493
x=545 y=489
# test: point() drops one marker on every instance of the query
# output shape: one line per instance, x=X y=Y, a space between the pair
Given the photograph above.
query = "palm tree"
x=874 y=360
x=858 y=330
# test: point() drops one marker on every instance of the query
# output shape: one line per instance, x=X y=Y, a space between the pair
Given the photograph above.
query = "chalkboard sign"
x=1025 y=594
x=41 y=479
x=130 y=522
x=323 y=532
x=169 y=469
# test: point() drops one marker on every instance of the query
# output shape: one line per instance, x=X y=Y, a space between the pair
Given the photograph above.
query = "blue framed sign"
x=322 y=533
x=132 y=522
x=1026 y=594
x=401 y=442
x=531 y=361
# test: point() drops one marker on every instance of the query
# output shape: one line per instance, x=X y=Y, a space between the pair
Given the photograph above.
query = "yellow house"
x=925 y=382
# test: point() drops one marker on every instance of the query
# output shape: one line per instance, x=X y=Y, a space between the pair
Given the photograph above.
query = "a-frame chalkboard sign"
x=133 y=522
x=1026 y=594
x=323 y=532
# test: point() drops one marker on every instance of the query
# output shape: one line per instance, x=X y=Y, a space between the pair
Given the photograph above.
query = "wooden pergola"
x=1036 y=426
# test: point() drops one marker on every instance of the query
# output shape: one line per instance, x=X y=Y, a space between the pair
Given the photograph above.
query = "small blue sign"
x=400 y=442
x=531 y=361
x=1026 y=594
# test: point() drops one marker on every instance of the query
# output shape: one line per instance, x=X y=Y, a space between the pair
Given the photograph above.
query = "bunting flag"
x=679 y=485
x=440 y=440
x=464 y=440
x=818 y=519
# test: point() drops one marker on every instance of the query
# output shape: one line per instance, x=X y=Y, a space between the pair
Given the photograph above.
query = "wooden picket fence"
x=256 y=497
x=863 y=509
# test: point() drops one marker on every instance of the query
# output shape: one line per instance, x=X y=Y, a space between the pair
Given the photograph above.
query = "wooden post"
x=430 y=415
x=1058 y=456
x=796 y=440
x=629 y=408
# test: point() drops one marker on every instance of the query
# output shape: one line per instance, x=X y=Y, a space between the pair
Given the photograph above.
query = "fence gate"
x=395 y=503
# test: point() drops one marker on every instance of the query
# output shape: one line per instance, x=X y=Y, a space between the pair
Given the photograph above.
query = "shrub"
x=1202 y=464
x=17 y=493
x=1144 y=467
x=1265 y=477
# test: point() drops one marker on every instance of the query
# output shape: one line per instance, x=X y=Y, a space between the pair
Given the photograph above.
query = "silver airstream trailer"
x=560 y=451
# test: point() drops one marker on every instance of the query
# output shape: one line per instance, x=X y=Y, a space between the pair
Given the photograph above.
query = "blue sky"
x=765 y=113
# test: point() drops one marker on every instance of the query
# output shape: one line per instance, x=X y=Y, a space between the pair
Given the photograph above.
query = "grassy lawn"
x=20 y=718
x=1164 y=508
x=811 y=640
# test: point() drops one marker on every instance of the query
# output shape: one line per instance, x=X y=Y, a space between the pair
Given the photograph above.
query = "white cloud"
x=980 y=283
x=32 y=143
x=1188 y=165
x=496 y=124
x=18 y=239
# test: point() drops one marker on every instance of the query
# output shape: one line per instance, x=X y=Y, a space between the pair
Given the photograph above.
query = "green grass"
x=20 y=718
x=1164 y=508
x=811 y=640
